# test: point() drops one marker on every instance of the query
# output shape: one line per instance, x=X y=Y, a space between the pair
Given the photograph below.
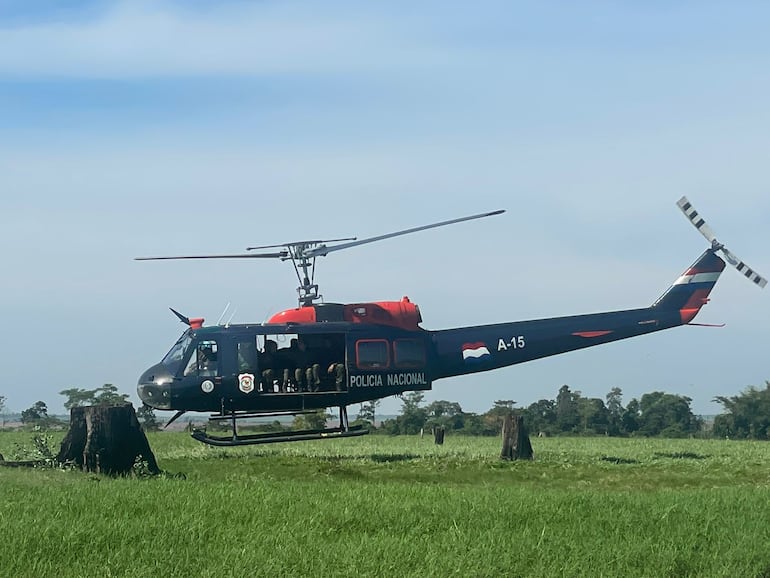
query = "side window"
x=203 y=361
x=372 y=354
x=247 y=356
x=409 y=353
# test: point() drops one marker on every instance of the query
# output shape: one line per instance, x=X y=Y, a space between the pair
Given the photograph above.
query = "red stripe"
x=697 y=300
x=715 y=268
x=591 y=333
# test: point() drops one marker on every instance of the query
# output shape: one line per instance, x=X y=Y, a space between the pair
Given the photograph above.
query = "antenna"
x=219 y=321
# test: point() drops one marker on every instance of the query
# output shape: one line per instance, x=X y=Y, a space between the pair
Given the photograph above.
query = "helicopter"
x=321 y=355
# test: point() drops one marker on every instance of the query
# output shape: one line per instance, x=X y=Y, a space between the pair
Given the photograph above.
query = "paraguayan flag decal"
x=475 y=352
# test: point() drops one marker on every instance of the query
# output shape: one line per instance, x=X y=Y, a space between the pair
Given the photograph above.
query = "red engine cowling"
x=403 y=314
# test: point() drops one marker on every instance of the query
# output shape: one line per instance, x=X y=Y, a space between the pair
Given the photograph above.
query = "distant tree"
x=541 y=416
x=107 y=394
x=413 y=416
x=667 y=415
x=615 y=411
x=629 y=420
x=498 y=412
x=77 y=397
x=2 y=411
x=36 y=414
x=567 y=416
x=594 y=417
x=747 y=415
x=447 y=414
x=314 y=421
x=146 y=416
x=367 y=412
x=478 y=425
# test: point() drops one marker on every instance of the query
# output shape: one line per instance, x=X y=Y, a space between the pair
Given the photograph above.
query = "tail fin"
x=690 y=292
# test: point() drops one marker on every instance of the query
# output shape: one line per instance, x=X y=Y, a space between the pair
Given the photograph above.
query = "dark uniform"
x=300 y=361
x=267 y=363
x=287 y=362
x=331 y=363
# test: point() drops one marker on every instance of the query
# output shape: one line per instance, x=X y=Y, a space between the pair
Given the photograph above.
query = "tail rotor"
x=699 y=223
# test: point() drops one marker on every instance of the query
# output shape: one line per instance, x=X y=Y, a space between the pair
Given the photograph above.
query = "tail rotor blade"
x=695 y=218
x=744 y=269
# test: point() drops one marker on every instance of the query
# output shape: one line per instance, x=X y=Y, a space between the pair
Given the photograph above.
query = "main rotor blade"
x=695 y=218
x=323 y=250
x=241 y=256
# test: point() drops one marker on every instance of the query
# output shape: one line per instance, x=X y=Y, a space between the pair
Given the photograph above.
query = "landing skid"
x=343 y=431
x=271 y=438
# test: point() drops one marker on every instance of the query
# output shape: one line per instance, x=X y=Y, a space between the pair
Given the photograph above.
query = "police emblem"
x=246 y=382
x=207 y=386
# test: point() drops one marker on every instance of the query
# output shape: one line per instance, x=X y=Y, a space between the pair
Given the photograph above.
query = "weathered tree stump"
x=106 y=440
x=438 y=435
x=516 y=444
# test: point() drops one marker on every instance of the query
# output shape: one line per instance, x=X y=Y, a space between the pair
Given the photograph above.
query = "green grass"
x=379 y=506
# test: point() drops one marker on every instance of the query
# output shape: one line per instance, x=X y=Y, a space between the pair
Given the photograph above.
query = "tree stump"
x=516 y=444
x=106 y=440
x=438 y=435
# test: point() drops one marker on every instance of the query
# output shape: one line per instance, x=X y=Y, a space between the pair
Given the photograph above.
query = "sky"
x=147 y=128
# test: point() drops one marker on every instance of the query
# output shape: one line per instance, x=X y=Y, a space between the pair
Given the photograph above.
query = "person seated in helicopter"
x=327 y=359
x=289 y=358
x=247 y=356
x=268 y=360
x=207 y=361
x=298 y=362
x=337 y=371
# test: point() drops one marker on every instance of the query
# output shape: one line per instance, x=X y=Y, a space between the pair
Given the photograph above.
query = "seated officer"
x=337 y=371
x=327 y=358
x=288 y=358
x=207 y=361
x=267 y=364
x=300 y=361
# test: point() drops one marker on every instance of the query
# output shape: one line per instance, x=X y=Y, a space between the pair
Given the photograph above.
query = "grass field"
x=381 y=506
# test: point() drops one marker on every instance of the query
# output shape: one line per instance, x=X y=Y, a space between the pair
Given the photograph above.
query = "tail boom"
x=472 y=349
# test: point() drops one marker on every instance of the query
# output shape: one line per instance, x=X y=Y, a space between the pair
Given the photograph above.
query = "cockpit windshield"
x=173 y=358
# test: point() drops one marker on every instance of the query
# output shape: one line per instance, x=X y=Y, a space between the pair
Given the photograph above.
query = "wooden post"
x=106 y=439
x=438 y=435
x=516 y=444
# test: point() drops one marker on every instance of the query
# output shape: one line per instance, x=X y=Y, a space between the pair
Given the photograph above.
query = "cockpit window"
x=204 y=360
x=174 y=357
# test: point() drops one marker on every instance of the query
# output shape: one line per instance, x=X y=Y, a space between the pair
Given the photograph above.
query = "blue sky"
x=141 y=128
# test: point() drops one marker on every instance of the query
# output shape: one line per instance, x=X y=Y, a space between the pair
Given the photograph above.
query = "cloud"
x=143 y=39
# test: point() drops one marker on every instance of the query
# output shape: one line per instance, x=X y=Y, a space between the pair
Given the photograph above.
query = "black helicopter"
x=322 y=355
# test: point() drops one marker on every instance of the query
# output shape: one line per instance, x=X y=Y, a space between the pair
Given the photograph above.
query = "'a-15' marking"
x=515 y=342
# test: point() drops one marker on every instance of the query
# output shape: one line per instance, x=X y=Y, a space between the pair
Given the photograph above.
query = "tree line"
x=745 y=416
